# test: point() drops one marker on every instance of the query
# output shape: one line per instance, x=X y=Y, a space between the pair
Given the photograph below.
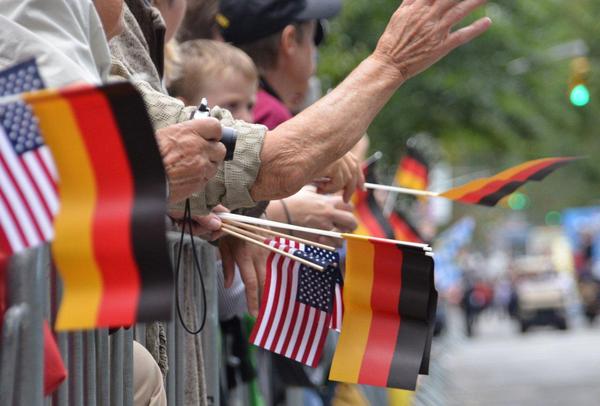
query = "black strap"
x=187 y=221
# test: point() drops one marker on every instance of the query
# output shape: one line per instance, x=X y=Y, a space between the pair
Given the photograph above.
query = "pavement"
x=500 y=366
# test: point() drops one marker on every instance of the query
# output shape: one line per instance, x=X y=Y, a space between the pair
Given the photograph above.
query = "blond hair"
x=201 y=61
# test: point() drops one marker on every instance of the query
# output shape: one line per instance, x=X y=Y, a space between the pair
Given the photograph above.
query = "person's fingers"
x=227 y=262
x=216 y=152
x=356 y=175
x=220 y=209
x=344 y=221
x=459 y=11
x=340 y=204
x=442 y=6
x=208 y=128
x=260 y=265
x=350 y=184
x=250 y=279
x=210 y=222
x=466 y=34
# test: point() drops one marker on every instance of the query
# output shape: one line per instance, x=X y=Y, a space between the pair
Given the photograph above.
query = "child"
x=223 y=74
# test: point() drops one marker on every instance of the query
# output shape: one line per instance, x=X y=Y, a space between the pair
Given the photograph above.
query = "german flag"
x=413 y=171
x=489 y=191
x=371 y=220
x=389 y=308
x=110 y=244
x=404 y=230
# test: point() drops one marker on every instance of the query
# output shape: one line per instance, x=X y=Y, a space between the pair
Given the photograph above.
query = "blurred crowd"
x=252 y=60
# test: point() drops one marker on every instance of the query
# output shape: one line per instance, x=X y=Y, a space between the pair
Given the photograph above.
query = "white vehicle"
x=541 y=293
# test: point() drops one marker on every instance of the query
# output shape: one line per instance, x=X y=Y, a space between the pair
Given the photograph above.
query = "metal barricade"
x=100 y=365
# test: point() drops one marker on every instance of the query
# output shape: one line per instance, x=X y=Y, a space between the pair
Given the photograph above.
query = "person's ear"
x=288 y=42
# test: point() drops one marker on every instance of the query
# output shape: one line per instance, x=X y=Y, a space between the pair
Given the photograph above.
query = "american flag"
x=297 y=304
x=28 y=177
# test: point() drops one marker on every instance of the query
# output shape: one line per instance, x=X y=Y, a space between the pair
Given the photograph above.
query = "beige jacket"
x=231 y=186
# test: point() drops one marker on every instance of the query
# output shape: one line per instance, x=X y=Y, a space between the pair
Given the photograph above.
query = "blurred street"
x=501 y=366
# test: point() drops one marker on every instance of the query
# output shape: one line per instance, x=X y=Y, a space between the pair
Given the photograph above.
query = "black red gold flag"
x=413 y=171
x=389 y=304
x=489 y=191
x=110 y=244
x=368 y=212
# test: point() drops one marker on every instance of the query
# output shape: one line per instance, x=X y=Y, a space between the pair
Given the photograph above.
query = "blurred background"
x=519 y=283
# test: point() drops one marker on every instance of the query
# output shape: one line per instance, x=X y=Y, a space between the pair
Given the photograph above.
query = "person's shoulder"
x=269 y=111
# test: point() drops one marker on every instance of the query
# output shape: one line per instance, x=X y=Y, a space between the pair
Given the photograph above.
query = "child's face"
x=235 y=93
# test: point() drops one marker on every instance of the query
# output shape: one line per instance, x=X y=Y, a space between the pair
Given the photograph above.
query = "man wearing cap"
x=281 y=38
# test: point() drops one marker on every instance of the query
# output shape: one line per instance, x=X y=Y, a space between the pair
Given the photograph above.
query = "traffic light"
x=579 y=93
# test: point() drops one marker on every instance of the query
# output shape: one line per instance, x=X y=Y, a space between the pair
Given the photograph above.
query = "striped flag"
x=297 y=304
x=489 y=191
x=412 y=171
x=389 y=299
x=28 y=178
x=110 y=246
x=404 y=230
x=371 y=220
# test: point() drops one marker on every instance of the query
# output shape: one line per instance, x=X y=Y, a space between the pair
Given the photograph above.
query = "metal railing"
x=100 y=366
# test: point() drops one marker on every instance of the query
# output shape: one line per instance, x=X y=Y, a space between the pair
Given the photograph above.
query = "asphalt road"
x=501 y=366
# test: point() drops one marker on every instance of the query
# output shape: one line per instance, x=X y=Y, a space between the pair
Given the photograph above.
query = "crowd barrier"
x=100 y=365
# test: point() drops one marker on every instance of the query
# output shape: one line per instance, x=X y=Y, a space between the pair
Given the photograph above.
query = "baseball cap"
x=245 y=21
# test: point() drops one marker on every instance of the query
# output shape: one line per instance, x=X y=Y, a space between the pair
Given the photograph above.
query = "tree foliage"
x=483 y=115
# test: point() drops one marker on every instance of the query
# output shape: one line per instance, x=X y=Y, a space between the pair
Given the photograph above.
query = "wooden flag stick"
x=227 y=230
x=333 y=234
x=403 y=190
x=283 y=235
x=247 y=233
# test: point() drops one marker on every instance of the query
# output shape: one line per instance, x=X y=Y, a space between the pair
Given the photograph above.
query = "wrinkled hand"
x=419 y=33
x=206 y=227
x=191 y=154
x=344 y=174
x=310 y=209
x=251 y=261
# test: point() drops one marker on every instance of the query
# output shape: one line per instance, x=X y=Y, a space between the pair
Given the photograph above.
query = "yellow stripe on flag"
x=477 y=184
x=73 y=246
x=358 y=284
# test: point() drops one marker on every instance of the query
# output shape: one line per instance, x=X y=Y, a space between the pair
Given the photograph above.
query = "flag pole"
x=283 y=235
x=402 y=190
x=229 y=231
x=333 y=234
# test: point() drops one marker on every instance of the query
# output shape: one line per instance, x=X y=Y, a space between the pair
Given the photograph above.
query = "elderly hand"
x=206 y=227
x=344 y=174
x=251 y=261
x=310 y=209
x=191 y=153
x=419 y=33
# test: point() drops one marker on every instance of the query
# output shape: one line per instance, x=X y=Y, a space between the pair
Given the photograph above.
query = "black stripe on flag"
x=148 y=229
x=413 y=308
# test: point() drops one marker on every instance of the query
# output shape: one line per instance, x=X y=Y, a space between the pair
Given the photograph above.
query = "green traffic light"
x=518 y=201
x=580 y=96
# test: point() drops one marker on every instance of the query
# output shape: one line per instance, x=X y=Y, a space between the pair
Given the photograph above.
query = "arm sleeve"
x=231 y=186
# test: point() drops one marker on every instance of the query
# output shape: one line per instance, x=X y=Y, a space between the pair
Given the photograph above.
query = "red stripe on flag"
x=111 y=228
x=496 y=185
x=385 y=323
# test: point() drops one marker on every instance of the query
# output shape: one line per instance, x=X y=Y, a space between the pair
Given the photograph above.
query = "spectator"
x=223 y=74
x=282 y=43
